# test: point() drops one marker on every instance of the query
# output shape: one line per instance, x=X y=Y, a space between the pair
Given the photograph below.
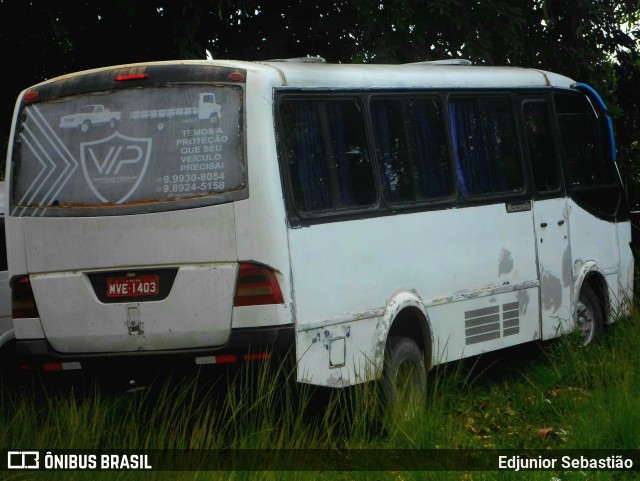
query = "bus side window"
x=411 y=146
x=577 y=123
x=485 y=146
x=541 y=147
x=591 y=175
x=327 y=155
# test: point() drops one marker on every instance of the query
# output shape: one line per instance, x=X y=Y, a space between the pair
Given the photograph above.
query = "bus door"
x=596 y=200
x=551 y=222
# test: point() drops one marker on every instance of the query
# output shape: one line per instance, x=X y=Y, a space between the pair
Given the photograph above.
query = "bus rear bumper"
x=243 y=345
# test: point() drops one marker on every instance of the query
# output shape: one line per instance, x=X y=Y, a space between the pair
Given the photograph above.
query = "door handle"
x=543 y=225
x=561 y=222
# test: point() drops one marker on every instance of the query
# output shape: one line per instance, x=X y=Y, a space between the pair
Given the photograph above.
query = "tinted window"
x=411 y=146
x=327 y=155
x=579 y=131
x=485 y=145
x=541 y=147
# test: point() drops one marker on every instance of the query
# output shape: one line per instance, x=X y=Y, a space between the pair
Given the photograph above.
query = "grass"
x=558 y=395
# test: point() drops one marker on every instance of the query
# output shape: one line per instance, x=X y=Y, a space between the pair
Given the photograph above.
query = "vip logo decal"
x=114 y=166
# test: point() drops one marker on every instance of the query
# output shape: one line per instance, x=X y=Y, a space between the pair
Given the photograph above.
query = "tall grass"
x=558 y=395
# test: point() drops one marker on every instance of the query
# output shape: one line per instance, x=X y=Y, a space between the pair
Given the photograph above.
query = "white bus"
x=370 y=217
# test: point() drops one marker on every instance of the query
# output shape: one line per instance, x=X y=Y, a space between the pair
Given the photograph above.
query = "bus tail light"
x=233 y=358
x=256 y=285
x=30 y=97
x=237 y=77
x=133 y=76
x=23 y=304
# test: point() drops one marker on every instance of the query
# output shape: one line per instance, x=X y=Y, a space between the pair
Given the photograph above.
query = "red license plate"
x=132 y=286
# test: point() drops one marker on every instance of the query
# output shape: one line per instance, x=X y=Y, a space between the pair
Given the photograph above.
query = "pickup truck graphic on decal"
x=89 y=116
x=207 y=109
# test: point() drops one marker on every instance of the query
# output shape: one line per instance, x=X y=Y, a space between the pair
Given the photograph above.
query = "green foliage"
x=595 y=42
x=560 y=395
x=591 y=41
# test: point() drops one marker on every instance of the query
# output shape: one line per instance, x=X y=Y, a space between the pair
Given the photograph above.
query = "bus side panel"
x=592 y=238
x=485 y=323
x=626 y=277
x=595 y=240
x=338 y=355
x=478 y=258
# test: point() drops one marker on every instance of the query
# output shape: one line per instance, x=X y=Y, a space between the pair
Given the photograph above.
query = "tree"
x=43 y=39
x=583 y=39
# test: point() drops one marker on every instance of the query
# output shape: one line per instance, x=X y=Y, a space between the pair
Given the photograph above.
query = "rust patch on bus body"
x=567 y=271
x=505 y=265
x=523 y=299
x=550 y=292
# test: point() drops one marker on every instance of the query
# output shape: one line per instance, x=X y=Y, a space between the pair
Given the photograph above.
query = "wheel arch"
x=592 y=276
x=406 y=316
x=6 y=337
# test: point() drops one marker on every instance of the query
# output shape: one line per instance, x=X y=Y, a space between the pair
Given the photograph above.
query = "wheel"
x=160 y=125
x=589 y=317
x=85 y=126
x=214 y=120
x=404 y=379
x=112 y=123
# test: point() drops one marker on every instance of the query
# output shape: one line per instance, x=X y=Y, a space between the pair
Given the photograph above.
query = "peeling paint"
x=577 y=267
x=523 y=299
x=381 y=329
x=336 y=380
x=567 y=273
x=441 y=300
x=550 y=291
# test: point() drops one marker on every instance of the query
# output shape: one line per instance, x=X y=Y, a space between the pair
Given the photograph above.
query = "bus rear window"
x=131 y=150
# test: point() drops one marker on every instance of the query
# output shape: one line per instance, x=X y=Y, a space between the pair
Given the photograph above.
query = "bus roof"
x=421 y=75
x=303 y=74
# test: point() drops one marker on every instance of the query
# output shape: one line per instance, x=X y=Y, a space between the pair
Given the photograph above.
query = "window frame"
x=545 y=99
x=517 y=98
x=492 y=197
x=419 y=95
x=581 y=194
x=299 y=95
x=140 y=206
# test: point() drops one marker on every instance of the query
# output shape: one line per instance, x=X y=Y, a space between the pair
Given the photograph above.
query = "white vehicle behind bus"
x=6 y=323
x=363 y=216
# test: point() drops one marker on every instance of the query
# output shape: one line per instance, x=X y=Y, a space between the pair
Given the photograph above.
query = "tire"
x=405 y=375
x=589 y=316
x=85 y=126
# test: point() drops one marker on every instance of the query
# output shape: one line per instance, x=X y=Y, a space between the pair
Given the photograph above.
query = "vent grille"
x=490 y=323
